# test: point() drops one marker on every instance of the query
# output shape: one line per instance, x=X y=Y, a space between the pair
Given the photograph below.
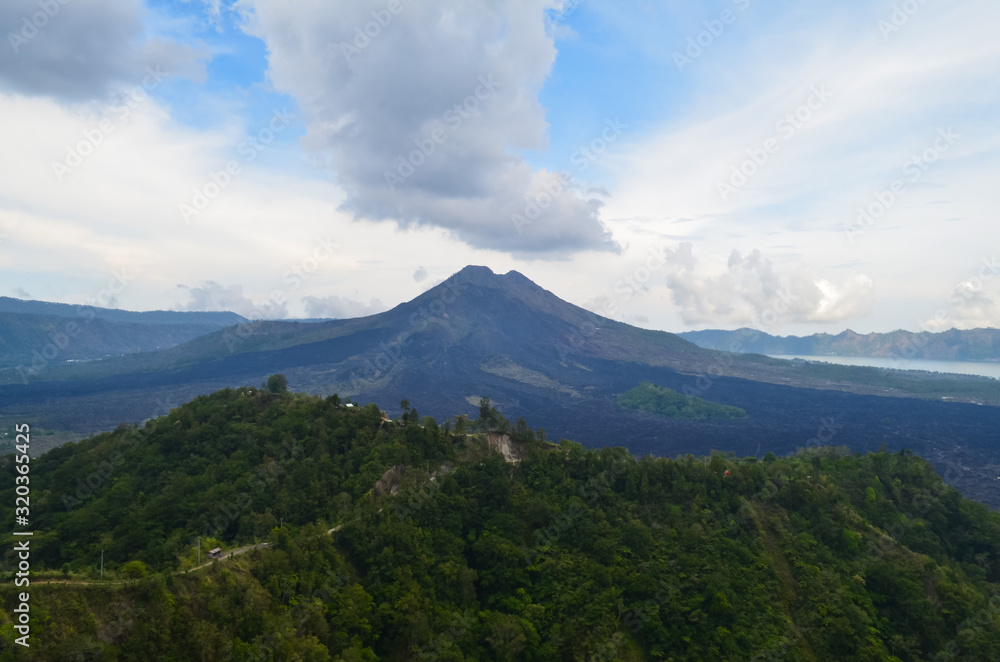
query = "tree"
x=485 y=409
x=507 y=637
x=277 y=384
x=134 y=569
x=490 y=417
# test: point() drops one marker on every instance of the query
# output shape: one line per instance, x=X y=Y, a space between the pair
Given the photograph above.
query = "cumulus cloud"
x=340 y=308
x=212 y=296
x=420 y=275
x=975 y=303
x=419 y=114
x=79 y=51
x=752 y=292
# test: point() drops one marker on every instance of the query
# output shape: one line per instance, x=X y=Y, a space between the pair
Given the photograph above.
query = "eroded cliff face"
x=502 y=444
x=389 y=482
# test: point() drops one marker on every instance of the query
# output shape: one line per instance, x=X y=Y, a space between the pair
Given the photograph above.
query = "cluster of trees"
x=568 y=554
x=229 y=466
x=667 y=402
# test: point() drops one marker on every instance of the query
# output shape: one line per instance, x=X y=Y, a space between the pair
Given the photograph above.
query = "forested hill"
x=480 y=540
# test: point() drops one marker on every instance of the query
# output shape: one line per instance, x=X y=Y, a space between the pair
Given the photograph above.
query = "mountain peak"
x=512 y=285
x=476 y=275
x=485 y=277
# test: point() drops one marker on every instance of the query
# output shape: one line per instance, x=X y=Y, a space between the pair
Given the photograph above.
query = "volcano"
x=543 y=359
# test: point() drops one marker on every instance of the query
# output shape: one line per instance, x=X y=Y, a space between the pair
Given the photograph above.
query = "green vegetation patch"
x=667 y=402
x=409 y=540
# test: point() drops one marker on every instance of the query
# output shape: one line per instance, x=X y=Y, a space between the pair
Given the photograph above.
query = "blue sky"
x=438 y=141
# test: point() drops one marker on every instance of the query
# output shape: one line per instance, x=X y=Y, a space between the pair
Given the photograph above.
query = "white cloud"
x=340 y=308
x=974 y=303
x=118 y=209
x=751 y=292
x=213 y=296
x=887 y=102
x=438 y=96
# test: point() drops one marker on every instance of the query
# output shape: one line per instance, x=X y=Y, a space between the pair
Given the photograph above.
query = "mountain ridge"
x=30 y=306
x=981 y=344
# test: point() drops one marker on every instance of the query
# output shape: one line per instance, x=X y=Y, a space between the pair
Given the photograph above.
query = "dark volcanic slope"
x=542 y=358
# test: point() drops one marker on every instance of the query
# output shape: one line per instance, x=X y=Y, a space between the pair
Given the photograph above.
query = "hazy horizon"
x=261 y=312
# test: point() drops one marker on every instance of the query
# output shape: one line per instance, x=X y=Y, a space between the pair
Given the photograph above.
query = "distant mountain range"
x=544 y=359
x=37 y=334
x=212 y=319
x=951 y=345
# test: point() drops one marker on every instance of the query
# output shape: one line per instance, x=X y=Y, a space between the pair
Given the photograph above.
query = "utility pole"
x=102 y=565
x=199 y=550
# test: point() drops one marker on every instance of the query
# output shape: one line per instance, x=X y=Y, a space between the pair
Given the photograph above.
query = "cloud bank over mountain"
x=421 y=112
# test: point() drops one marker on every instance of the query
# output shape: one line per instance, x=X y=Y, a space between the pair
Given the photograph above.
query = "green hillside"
x=442 y=549
x=661 y=400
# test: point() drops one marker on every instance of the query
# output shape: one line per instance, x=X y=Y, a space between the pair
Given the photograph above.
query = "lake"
x=961 y=367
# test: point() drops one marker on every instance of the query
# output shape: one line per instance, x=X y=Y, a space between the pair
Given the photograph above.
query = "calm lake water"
x=960 y=367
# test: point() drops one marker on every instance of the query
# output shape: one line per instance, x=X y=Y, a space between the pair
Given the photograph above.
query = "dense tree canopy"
x=667 y=402
x=443 y=550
